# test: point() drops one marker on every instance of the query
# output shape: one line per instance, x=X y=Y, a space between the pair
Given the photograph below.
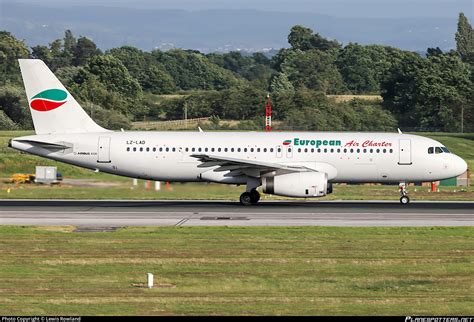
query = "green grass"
x=204 y=191
x=238 y=270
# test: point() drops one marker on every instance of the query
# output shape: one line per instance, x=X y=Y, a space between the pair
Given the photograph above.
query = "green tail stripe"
x=52 y=94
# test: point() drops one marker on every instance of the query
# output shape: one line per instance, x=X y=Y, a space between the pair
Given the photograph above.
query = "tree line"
x=420 y=92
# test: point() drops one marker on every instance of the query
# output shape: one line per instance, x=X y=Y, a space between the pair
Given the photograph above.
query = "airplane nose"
x=459 y=165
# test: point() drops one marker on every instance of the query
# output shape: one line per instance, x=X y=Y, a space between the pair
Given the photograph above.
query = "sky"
x=335 y=8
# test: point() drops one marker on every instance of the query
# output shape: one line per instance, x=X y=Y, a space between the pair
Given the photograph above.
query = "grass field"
x=242 y=270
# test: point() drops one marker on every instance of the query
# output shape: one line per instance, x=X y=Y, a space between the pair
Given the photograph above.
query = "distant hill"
x=215 y=30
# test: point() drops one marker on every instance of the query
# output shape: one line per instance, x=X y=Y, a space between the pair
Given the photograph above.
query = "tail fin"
x=52 y=107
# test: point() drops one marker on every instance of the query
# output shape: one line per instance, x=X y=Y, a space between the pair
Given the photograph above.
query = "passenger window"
x=167 y=149
x=332 y=150
x=225 y=149
x=245 y=149
x=128 y=149
x=238 y=149
x=218 y=149
x=199 y=149
x=193 y=149
x=258 y=149
x=358 y=150
x=251 y=149
x=279 y=149
x=299 y=150
x=187 y=149
x=212 y=149
x=154 y=149
x=371 y=150
x=205 y=149
x=384 y=150
x=345 y=150
x=141 y=149
x=271 y=149
x=174 y=149
x=134 y=149
x=391 y=150
x=264 y=149
x=312 y=150
x=378 y=151
x=338 y=150
x=289 y=149
x=352 y=150
x=161 y=150
x=147 y=149
x=365 y=150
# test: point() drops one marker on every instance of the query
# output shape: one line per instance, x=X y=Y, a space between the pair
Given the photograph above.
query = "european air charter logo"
x=48 y=100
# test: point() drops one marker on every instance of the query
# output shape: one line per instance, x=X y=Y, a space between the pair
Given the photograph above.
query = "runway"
x=108 y=213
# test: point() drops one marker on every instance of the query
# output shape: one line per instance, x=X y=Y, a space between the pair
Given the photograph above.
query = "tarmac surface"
x=107 y=214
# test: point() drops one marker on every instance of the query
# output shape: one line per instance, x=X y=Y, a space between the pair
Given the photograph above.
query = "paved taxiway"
x=94 y=213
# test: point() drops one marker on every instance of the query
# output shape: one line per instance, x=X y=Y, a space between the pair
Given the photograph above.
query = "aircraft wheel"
x=404 y=200
x=254 y=196
x=246 y=199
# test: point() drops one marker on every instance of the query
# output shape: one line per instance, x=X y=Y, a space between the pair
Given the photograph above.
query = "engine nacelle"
x=299 y=184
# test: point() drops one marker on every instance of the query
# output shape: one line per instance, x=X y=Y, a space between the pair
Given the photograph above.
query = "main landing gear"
x=250 y=198
x=404 y=200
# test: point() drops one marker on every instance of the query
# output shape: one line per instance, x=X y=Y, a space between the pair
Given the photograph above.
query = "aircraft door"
x=404 y=149
x=103 y=150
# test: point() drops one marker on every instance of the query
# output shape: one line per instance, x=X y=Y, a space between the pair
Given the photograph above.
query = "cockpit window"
x=438 y=150
x=445 y=150
x=430 y=150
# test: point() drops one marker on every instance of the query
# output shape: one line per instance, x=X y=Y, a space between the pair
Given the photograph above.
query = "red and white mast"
x=268 y=115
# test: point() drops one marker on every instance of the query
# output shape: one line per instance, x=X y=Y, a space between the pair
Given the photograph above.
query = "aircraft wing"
x=238 y=167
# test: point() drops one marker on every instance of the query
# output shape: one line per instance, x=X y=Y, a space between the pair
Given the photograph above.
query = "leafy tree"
x=427 y=93
x=84 y=50
x=192 y=70
x=281 y=83
x=43 y=53
x=114 y=75
x=313 y=69
x=465 y=39
x=303 y=38
x=6 y=124
x=106 y=118
x=357 y=69
x=15 y=107
x=11 y=50
x=70 y=44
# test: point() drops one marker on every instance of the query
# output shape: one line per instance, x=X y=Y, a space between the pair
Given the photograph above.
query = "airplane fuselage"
x=168 y=156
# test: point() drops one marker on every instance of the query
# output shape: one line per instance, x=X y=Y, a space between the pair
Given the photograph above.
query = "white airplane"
x=293 y=164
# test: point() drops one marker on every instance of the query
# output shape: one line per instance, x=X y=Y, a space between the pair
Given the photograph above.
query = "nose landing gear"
x=404 y=200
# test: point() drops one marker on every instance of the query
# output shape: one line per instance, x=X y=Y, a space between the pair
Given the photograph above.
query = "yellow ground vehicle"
x=22 y=178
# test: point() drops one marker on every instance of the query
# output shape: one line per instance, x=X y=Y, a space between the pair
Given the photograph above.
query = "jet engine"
x=299 y=184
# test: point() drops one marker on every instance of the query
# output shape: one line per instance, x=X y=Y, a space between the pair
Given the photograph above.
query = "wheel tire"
x=254 y=196
x=246 y=199
x=404 y=200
